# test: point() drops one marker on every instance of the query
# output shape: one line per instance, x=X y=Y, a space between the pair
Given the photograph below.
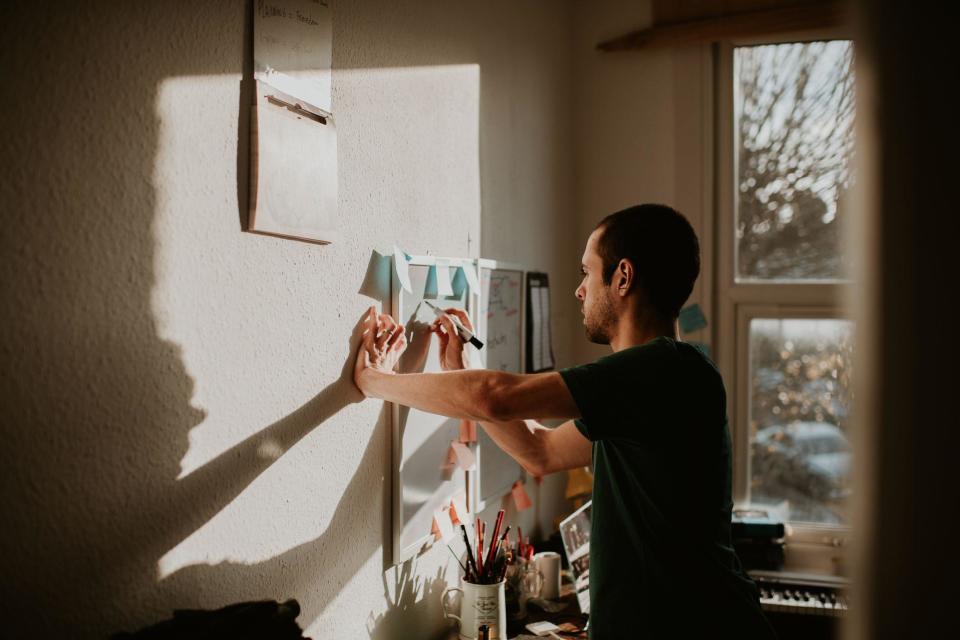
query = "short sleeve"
x=586 y=384
x=621 y=392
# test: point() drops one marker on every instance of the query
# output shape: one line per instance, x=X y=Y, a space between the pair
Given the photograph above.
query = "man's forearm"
x=456 y=394
x=524 y=440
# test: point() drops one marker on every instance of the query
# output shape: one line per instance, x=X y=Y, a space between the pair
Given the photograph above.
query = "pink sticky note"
x=451 y=460
x=468 y=431
x=520 y=497
x=466 y=460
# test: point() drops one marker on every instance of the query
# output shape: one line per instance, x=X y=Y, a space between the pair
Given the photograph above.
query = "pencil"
x=494 y=540
x=457 y=559
x=470 y=560
x=479 y=534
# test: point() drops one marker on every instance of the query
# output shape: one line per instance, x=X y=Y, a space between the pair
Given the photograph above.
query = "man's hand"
x=452 y=354
x=381 y=346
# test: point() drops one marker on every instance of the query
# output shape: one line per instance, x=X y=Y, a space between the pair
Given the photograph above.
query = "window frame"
x=739 y=302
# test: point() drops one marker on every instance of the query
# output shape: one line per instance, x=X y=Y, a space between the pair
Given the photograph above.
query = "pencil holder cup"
x=479 y=604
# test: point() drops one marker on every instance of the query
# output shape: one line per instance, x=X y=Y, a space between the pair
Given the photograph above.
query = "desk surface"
x=516 y=629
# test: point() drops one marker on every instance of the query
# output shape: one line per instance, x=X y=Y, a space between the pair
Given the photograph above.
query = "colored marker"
x=465 y=334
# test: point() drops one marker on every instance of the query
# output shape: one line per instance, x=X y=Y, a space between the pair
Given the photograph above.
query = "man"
x=651 y=417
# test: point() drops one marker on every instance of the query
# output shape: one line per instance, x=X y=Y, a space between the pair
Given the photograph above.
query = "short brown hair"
x=663 y=248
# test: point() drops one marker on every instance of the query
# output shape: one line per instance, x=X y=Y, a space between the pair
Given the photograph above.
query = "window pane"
x=800 y=398
x=794 y=111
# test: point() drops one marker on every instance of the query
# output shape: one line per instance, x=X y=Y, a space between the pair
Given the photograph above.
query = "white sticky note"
x=458 y=506
x=444 y=286
x=466 y=460
x=403 y=269
x=441 y=520
x=470 y=271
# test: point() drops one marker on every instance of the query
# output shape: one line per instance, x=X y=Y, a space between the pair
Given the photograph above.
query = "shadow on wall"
x=407 y=604
x=97 y=406
x=98 y=412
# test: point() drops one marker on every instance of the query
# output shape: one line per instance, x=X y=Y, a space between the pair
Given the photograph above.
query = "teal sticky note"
x=692 y=318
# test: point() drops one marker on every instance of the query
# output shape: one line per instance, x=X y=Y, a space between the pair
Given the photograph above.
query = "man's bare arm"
x=481 y=395
x=539 y=449
x=503 y=403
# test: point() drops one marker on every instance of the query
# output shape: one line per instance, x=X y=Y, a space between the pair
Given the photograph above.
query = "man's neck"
x=632 y=331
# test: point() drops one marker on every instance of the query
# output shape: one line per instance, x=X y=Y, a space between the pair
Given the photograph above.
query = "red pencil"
x=479 y=547
x=495 y=540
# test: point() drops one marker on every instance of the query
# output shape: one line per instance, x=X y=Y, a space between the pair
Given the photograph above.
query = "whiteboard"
x=423 y=480
x=501 y=328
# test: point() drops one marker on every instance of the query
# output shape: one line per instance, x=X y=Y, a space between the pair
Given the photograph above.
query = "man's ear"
x=624 y=277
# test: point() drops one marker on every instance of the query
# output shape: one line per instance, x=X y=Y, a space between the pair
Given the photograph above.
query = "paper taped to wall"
x=458 y=507
x=442 y=527
x=293 y=170
x=293 y=46
x=402 y=267
x=470 y=271
x=468 y=431
x=539 y=340
x=464 y=456
x=521 y=500
x=444 y=286
x=692 y=319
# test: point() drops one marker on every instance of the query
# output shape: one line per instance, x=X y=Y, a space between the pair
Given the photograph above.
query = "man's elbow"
x=496 y=402
x=538 y=460
x=537 y=466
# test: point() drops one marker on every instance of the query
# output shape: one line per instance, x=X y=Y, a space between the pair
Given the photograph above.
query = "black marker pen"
x=465 y=334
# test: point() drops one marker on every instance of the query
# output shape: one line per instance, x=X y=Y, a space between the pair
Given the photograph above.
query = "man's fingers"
x=461 y=316
x=401 y=341
x=387 y=323
x=395 y=335
x=448 y=326
x=383 y=340
x=444 y=339
x=370 y=328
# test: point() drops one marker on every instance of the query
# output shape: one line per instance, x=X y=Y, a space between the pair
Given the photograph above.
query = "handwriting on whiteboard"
x=502 y=297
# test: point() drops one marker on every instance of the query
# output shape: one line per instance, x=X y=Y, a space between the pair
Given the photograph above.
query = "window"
x=784 y=168
x=799 y=385
x=793 y=123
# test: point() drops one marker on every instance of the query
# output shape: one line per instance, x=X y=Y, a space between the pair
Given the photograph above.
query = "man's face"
x=597 y=301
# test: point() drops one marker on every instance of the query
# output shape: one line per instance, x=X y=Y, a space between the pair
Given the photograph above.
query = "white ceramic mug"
x=479 y=604
x=548 y=563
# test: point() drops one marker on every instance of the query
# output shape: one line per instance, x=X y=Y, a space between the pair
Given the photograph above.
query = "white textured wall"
x=176 y=432
x=641 y=135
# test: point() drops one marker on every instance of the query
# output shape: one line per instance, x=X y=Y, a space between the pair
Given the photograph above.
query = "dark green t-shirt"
x=661 y=561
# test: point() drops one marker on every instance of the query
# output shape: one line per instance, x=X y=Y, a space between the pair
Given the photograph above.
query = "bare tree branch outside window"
x=794 y=127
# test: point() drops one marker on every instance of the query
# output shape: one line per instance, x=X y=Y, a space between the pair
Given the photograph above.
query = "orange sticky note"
x=520 y=497
x=468 y=431
x=466 y=460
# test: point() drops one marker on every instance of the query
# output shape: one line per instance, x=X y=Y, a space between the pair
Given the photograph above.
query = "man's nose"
x=579 y=293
